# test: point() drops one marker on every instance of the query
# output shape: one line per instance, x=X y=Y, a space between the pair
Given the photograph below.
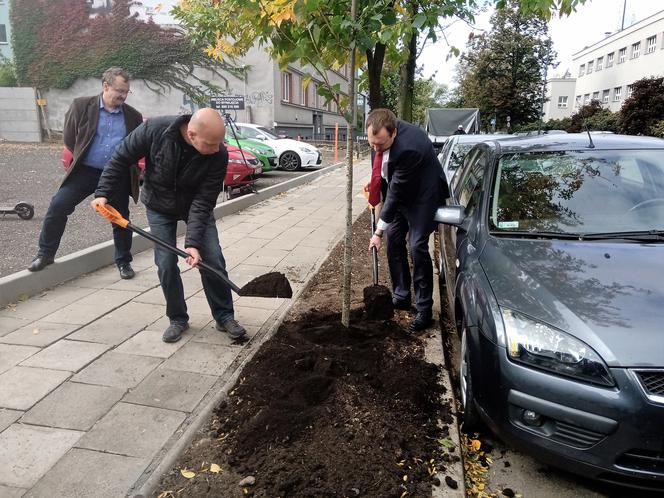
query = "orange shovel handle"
x=112 y=215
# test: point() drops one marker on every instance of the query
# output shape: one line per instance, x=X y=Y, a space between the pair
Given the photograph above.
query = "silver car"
x=553 y=267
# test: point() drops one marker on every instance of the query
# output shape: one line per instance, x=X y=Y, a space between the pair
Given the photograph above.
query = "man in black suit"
x=407 y=173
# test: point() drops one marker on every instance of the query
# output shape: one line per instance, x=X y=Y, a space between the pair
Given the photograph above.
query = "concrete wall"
x=556 y=88
x=19 y=115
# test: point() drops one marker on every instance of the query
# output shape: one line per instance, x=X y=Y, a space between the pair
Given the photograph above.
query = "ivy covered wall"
x=56 y=42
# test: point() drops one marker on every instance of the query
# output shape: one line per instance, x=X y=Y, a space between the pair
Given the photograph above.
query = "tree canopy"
x=503 y=72
x=643 y=112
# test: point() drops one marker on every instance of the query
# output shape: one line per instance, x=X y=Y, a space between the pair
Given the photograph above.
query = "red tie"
x=374 y=184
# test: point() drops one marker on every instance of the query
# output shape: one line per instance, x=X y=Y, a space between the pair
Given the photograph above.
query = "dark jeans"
x=414 y=224
x=218 y=294
x=81 y=183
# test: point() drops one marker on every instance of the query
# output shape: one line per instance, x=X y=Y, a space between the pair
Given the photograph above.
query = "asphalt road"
x=32 y=173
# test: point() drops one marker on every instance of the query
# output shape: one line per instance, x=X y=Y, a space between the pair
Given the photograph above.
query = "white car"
x=291 y=154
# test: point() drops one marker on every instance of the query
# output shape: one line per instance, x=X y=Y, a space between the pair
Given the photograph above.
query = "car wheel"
x=289 y=161
x=470 y=417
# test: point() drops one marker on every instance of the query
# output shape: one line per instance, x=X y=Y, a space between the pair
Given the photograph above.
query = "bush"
x=644 y=109
x=7 y=73
x=657 y=130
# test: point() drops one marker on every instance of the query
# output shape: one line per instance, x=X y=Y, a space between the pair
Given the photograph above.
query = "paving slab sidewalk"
x=93 y=403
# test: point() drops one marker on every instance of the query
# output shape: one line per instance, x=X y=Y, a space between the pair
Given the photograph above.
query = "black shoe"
x=400 y=304
x=421 y=321
x=39 y=263
x=232 y=328
x=126 y=271
x=174 y=332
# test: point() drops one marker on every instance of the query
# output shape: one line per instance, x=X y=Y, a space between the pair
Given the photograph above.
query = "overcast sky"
x=569 y=34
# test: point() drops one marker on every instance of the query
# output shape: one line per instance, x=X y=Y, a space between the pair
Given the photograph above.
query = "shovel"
x=377 y=298
x=274 y=284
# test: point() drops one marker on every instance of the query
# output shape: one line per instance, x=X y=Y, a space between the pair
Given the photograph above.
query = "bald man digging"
x=185 y=165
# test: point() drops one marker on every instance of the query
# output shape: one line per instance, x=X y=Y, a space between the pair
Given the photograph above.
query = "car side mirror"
x=261 y=137
x=450 y=215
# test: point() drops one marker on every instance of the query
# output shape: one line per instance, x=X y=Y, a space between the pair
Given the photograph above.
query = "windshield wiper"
x=536 y=234
x=638 y=235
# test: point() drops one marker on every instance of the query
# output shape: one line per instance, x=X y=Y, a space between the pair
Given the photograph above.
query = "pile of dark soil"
x=323 y=410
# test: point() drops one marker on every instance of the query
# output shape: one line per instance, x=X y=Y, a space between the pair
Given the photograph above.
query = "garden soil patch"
x=322 y=410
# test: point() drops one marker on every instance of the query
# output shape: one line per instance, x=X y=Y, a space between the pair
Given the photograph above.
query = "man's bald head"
x=206 y=131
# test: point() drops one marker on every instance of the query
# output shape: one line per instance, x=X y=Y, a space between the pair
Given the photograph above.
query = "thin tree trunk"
x=375 y=70
x=407 y=86
x=350 y=140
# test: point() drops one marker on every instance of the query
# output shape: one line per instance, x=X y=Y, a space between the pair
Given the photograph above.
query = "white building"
x=606 y=70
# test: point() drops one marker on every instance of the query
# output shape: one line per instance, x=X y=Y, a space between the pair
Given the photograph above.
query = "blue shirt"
x=110 y=131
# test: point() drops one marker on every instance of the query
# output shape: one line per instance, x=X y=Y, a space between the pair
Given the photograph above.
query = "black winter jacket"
x=188 y=191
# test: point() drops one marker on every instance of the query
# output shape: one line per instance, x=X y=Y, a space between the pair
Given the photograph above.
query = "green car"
x=264 y=153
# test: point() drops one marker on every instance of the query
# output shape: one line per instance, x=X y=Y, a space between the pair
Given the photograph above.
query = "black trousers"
x=412 y=225
x=81 y=183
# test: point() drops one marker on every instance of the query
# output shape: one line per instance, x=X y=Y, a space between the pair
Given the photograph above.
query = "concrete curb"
x=23 y=284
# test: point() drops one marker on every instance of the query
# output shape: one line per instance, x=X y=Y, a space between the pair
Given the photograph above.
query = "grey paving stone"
x=210 y=359
x=92 y=306
x=29 y=451
x=74 y=406
x=149 y=343
x=86 y=474
x=22 y=387
x=38 y=333
x=32 y=309
x=117 y=370
x=172 y=389
x=9 y=324
x=66 y=293
x=265 y=303
x=243 y=273
x=133 y=430
x=66 y=355
x=153 y=296
x=269 y=258
x=7 y=418
x=142 y=281
x=196 y=322
x=8 y=492
x=11 y=355
x=121 y=324
x=254 y=317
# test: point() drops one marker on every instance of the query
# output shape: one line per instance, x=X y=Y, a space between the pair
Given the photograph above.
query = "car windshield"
x=579 y=192
x=267 y=133
x=458 y=154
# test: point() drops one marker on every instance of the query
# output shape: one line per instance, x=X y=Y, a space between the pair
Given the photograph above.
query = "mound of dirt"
x=323 y=410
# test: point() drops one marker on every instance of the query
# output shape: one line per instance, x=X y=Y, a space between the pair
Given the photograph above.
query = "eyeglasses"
x=121 y=92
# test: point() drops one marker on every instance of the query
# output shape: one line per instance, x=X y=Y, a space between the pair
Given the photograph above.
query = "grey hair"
x=113 y=72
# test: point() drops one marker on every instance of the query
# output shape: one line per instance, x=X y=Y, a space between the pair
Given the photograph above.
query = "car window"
x=471 y=183
x=579 y=191
x=248 y=132
x=267 y=133
x=460 y=172
x=458 y=154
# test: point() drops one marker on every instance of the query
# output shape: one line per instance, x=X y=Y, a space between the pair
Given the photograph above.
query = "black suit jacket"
x=413 y=173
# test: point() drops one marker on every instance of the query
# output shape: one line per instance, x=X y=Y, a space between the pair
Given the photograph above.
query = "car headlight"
x=253 y=150
x=236 y=161
x=541 y=346
x=307 y=150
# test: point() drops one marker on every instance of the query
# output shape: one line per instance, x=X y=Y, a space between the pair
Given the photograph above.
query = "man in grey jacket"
x=185 y=165
x=93 y=127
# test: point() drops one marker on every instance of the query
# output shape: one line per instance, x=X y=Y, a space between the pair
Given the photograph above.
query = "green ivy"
x=55 y=42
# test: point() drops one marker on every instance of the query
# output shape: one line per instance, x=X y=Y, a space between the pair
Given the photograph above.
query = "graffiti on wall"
x=260 y=97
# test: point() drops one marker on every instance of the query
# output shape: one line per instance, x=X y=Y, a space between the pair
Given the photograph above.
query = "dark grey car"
x=553 y=264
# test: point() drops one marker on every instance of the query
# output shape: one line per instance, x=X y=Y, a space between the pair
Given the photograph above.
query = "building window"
x=605 y=96
x=582 y=69
x=286 y=86
x=628 y=91
x=304 y=94
x=609 y=60
x=590 y=67
x=586 y=98
x=599 y=64
x=616 y=93
x=636 y=50
x=622 y=55
x=562 y=102
x=577 y=101
x=316 y=100
x=651 y=44
x=3 y=33
x=595 y=95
